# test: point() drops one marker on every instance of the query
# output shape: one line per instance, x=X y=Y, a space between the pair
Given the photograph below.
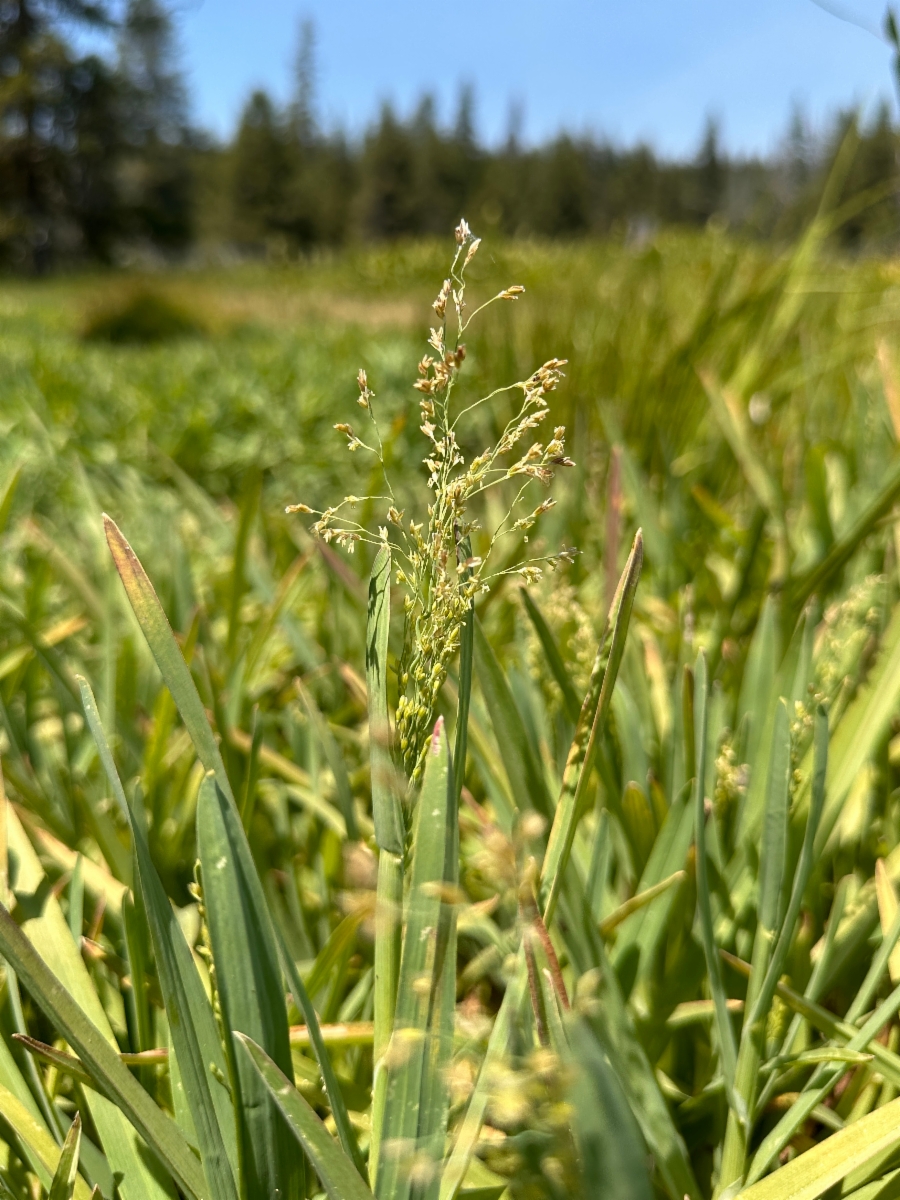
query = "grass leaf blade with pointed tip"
x=416 y=1097
x=249 y=983
x=191 y=1021
x=161 y=640
x=332 y=1087
x=727 y=1048
x=591 y=722
x=336 y=1171
x=63 y=1185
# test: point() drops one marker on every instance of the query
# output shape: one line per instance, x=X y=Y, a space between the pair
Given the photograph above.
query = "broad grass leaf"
x=386 y=810
x=192 y=1025
x=249 y=984
x=416 y=1100
x=332 y=1087
x=811 y=1174
x=336 y=1171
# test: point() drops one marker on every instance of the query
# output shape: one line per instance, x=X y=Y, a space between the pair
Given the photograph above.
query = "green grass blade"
x=612 y=1151
x=248 y=511
x=161 y=640
x=434 y=1106
x=332 y=1087
x=251 y=777
x=192 y=1025
x=523 y=770
x=615 y=1030
x=415 y=1101
x=729 y=416
x=335 y=760
x=45 y=927
x=249 y=984
x=818 y=577
x=7 y=495
x=828 y=1024
x=727 y=1050
x=756 y=708
x=804 y=865
x=388 y=931
x=62 y=1186
x=336 y=1171
x=554 y=659
x=387 y=814
x=457 y=1162
x=823 y=1080
x=76 y=899
x=638 y=901
x=43 y=1152
x=101 y=1060
x=670 y=850
x=466 y=666
x=773 y=857
x=415 y=1105
x=591 y=723
x=860 y=729
x=386 y=811
x=813 y=1173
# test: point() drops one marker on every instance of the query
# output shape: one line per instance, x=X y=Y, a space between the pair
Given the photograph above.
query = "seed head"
x=440 y=304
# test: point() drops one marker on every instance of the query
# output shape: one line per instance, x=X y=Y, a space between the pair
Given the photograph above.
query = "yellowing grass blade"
x=43 y=1151
x=813 y=1173
x=888 y=907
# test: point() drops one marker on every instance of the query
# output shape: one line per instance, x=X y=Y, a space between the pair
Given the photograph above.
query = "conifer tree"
x=153 y=118
x=53 y=106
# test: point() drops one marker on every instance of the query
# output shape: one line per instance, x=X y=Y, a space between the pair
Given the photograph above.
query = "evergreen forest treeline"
x=99 y=161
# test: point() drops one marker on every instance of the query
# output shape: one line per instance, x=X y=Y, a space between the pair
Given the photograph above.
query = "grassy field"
x=740 y=406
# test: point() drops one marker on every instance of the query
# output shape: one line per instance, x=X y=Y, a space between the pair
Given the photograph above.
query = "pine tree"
x=710 y=173
x=260 y=172
x=388 y=169
x=153 y=118
x=53 y=105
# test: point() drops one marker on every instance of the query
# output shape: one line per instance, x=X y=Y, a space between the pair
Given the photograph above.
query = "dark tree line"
x=99 y=161
x=95 y=150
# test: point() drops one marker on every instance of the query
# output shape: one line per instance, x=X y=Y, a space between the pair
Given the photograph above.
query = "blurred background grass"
x=197 y=442
x=741 y=404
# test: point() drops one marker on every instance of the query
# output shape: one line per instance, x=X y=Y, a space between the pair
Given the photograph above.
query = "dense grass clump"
x=624 y=921
x=141 y=317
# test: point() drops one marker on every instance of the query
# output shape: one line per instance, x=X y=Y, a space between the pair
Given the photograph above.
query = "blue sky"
x=630 y=69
